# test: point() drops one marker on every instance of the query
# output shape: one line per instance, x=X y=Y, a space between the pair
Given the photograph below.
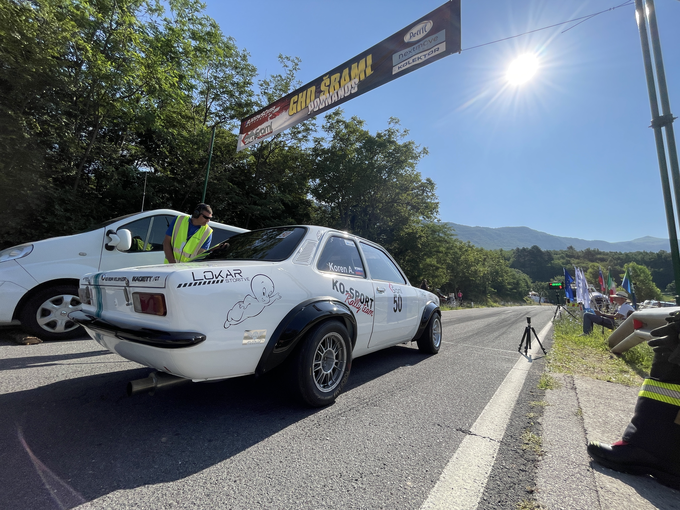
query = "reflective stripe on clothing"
x=186 y=249
x=663 y=392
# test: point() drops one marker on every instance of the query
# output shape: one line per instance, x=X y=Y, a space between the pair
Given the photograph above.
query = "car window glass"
x=381 y=266
x=271 y=244
x=148 y=233
x=221 y=234
x=341 y=256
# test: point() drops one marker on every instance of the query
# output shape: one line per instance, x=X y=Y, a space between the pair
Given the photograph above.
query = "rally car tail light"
x=153 y=304
x=638 y=324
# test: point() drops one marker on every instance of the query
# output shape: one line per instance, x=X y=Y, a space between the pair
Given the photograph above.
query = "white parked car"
x=39 y=281
x=637 y=328
x=309 y=296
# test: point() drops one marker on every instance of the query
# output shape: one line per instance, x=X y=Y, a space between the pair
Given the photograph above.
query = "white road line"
x=464 y=478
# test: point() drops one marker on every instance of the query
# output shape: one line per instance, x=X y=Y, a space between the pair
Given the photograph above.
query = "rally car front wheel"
x=431 y=339
x=323 y=364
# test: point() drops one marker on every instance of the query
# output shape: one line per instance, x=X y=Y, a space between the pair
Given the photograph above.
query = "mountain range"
x=508 y=238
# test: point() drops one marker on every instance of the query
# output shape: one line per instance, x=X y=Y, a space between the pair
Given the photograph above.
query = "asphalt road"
x=70 y=436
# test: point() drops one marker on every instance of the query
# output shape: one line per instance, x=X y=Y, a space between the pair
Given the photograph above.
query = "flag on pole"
x=600 y=278
x=627 y=284
x=582 y=293
x=610 y=283
x=568 y=280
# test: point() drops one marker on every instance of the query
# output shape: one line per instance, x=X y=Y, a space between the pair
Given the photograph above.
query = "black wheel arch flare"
x=297 y=323
x=430 y=309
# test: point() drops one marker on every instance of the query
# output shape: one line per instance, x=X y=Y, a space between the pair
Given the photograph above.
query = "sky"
x=569 y=152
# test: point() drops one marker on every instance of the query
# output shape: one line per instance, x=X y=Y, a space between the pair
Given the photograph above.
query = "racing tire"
x=431 y=339
x=323 y=364
x=45 y=314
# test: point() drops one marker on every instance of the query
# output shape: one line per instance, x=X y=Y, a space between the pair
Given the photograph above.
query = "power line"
x=580 y=20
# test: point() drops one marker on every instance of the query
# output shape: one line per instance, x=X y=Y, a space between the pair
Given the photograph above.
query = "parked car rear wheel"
x=323 y=364
x=431 y=339
x=45 y=314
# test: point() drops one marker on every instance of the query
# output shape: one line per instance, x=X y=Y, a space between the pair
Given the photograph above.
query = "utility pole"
x=645 y=14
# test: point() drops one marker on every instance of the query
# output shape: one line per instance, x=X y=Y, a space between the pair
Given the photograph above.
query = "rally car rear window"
x=271 y=244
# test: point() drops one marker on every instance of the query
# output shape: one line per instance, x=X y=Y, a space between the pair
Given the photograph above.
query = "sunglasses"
x=206 y=217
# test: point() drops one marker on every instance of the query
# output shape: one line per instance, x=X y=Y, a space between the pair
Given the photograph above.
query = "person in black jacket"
x=651 y=442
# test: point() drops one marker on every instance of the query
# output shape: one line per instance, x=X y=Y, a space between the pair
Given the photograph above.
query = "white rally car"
x=309 y=296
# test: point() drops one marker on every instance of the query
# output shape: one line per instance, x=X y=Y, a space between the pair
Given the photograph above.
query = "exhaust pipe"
x=154 y=381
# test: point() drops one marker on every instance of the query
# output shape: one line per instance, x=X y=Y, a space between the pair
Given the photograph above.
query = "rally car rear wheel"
x=323 y=364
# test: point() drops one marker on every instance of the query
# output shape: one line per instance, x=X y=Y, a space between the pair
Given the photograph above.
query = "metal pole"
x=641 y=18
x=666 y=120
x=144 y=193
x=207 y=171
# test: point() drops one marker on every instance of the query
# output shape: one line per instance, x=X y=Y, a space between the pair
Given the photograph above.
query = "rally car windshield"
x=271 y=244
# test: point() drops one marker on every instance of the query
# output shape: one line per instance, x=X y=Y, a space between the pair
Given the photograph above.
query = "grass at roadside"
x=589 y=356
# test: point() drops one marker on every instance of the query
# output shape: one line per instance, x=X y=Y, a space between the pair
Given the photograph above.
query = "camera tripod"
x=560 y=307
x=526 y=339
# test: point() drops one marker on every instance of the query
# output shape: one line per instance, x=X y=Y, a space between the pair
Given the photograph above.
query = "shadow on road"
x=47 y=360
x=73 y=441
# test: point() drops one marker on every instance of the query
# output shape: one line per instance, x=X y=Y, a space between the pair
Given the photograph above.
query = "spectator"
x=609 y=321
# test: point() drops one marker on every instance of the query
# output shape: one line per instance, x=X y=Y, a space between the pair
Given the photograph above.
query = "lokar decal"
x=209 y=277
x=262 y=288
x=355 y=298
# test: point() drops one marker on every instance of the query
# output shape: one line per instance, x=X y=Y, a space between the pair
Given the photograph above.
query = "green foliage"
x=368 y=184
x=546 y=265
x=92 y=91
x=642 y=281
x=589 y=355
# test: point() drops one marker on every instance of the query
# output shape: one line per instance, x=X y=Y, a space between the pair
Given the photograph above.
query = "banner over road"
x=428 y=39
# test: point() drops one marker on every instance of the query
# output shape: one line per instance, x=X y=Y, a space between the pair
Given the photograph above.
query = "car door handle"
x=380 y=290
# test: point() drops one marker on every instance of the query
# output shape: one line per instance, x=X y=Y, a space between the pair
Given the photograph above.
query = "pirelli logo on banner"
x=426 y=40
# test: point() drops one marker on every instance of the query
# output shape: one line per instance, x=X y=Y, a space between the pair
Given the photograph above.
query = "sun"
x=522 y=69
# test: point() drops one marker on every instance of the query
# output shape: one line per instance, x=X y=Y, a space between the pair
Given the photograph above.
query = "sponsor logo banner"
x=428 y=39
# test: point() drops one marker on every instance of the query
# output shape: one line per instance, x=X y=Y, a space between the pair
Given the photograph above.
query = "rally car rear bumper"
x=146 y=336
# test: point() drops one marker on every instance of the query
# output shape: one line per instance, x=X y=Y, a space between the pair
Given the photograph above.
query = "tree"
x=642 y=281
x=92 y=91
x=369 y=184
x=534 y=262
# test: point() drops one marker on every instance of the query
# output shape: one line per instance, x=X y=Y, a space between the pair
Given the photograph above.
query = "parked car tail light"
x=153 y=304
x=84 y=295
x=637 y=324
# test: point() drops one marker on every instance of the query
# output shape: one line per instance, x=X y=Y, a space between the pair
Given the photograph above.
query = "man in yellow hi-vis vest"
x=187 y=237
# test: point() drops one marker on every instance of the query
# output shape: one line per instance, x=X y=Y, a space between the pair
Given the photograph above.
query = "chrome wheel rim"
x=436 y=332
x=52 y=315
x=330 y=359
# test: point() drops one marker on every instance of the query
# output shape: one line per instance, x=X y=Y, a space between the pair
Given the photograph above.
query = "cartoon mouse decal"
x=262 y=295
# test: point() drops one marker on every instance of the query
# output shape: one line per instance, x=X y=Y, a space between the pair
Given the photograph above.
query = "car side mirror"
x=120 y=240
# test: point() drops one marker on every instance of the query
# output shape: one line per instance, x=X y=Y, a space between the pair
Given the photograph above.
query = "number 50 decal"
x=397 y=304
